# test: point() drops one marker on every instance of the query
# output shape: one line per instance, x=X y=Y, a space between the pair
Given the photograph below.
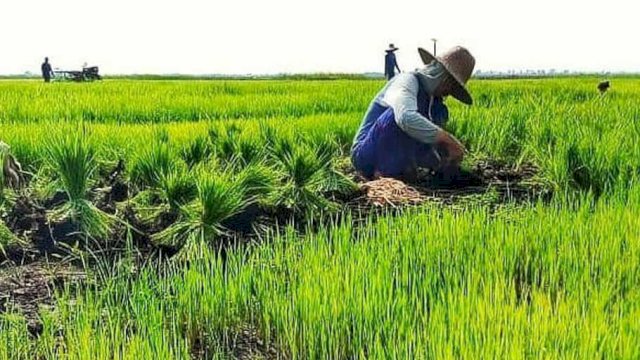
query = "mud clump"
x=59 y=198
x=243 y=221
x=119 y=191
x=450 y=179
x=113 y=189
x=28 y=220
x=501 y=171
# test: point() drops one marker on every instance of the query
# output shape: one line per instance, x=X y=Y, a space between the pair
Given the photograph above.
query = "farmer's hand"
x=454 y=150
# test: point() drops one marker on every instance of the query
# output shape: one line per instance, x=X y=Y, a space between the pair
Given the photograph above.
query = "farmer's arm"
x=395 y=61
x=402 y=96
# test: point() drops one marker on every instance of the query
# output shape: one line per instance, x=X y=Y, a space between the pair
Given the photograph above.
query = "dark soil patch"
x=28 y=220
x=246 y=344
x=112 y=189
x=119 y=191
x=59 y=198
x=509 y=183
x=243 y=221
x=142 y=231
x=27 y=288
x=242 y=343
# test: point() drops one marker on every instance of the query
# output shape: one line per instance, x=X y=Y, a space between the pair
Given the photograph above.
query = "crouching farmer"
x=402 y=129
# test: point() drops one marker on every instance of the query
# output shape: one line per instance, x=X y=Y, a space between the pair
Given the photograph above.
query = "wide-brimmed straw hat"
x=392 y=48
x=459 y=63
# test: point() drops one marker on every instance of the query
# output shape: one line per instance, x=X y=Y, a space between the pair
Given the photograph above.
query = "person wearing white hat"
x=402 y=129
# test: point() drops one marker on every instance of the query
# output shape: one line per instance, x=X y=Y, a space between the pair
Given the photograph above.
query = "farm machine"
x=86 y=74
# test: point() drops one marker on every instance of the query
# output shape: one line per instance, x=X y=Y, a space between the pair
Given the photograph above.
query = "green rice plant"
x=162 y=135
x=72 y=160
x=233 y=130
x=227 y=148
x=328 y=152
x=249 y=150
x=197 y=151
x=152 y=164
x=429 y=282
x=219 y=197
x=227 y=145
x=303 y=182
x=309 y=173
x=74 y=163
x=174 y=190
x=8 y=240
x=14 y=336
x=178 y=189
x=259 y=180
x=232 y=146
x=554 y=280
x=267 y=134
x=213 y=134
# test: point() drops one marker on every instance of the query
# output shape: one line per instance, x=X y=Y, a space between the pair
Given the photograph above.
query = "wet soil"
x=247 y=343
x=27 y=288
x=28 y=220
x=30 y=284
x=506 y=182
x=243 y=343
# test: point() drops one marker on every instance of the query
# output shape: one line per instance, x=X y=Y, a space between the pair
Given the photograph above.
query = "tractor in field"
x=86 y=74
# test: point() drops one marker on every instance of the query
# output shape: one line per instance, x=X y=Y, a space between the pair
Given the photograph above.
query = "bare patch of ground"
x=27 y=288
x=504 y=182
x=243 y=343
x=247 y=344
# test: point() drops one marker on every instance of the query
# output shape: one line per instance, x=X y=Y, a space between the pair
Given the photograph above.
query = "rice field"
x=214 y=219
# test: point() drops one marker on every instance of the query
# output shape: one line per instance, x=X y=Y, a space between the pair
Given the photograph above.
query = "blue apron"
x=382 y=147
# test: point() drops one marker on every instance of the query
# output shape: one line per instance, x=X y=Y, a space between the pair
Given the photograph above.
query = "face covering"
x=431 y=76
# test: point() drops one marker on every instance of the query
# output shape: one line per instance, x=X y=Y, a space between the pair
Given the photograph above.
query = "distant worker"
x=47 y=72
x=390 y=63
x=603 y=86
x=402 y=129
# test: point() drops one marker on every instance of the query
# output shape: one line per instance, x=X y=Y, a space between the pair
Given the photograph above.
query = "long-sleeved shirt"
x=390 y=65
x=401 y=94
x=46 y=70
x=382 y=147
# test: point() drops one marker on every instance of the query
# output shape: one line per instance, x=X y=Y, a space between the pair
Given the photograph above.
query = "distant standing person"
x=47 y=73
x=390 y=63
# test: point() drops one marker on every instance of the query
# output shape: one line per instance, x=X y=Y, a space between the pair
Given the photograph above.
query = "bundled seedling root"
x=390 y=192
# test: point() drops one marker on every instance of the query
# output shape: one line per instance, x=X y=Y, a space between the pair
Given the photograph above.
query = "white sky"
x=299 y=36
